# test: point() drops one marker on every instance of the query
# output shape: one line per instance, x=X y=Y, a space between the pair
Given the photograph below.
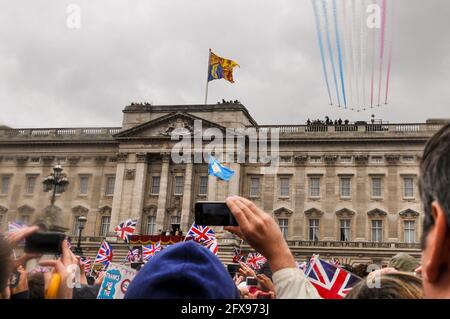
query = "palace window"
x=284 y=226
x=314 y=229
x=5 y=184
x=377 y=230
x=84 y=182
x=254 y=187
x=31 y=183
x=179 y=185
x=104 y=225
x=156 y=180
x=175 y=220
x=346 y=187
x=408 y=187
x=150 y=228
x=110 y=181
x=410 y=231
x=203 y=185
x=376 y=187
x=284 y=186
x=314 y=187
x=345 y=229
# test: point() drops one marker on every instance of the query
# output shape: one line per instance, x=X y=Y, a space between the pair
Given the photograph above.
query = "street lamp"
x=81 y=222
x=56 y=182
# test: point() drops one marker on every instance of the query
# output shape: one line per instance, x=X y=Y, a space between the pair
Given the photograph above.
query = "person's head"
x=396 y=285
x=183 y=270
x=36 y=285
x=404 y=262
x=360 y=270
x=435 y=194
x=5 y=263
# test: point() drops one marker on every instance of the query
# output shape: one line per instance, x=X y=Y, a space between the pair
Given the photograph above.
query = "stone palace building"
x=346 y=191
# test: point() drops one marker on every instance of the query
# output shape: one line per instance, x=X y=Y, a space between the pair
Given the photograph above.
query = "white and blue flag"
x=216 y=169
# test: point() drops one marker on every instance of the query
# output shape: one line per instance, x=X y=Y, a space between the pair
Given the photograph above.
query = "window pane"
x=151 y=223
x=345 y=187
x=104 y=227
x=345 y=229
x=314 y=186
x=314 y=229
x=84 y=185
x=284 y=186
x=284 y=226
x=31 y=182
x=5 y=184
x=410 y=231
x=254 y=186
x=377 y=230
x=179 y=185
x=376 y=187
x=408 y=187
x=203 y=187
x=110 y=185
x=155 y=185
x=175 y=219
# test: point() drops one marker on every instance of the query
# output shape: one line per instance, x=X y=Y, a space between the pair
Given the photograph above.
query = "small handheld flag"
x=125 y=229
x=200 y=233
x=256 y=260
x=212 y=245
x=216 y=169
x=104 y=254
x=151 y=250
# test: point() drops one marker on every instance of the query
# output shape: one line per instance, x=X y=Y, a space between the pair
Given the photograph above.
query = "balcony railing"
x=59 y=132
x=352 y=244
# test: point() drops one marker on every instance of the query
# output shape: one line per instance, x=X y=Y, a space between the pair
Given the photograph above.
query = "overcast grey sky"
x=156 y=51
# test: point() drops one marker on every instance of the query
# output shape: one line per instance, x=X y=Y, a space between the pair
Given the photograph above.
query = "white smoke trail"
x=347 y=54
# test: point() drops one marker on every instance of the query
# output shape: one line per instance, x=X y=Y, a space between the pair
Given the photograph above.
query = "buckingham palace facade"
x=341 y=190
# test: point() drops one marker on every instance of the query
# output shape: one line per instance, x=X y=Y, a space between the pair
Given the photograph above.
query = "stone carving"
x=283 y=211
x=74 y=159
x=3 y=209
x=80 y=210
x=122 y=157
x=300 y=159
x=48 y=159
x=130 y=173
x=392 y=159
x=100 y=159
x=361 y=159
x=141 y=157
x=21 y=159
x=177 y=126
x=25 y=210
x=330 y=159
x=313 y=213
x=409 y=213
x=345 y=213
x=376 y=213
x=105 y=210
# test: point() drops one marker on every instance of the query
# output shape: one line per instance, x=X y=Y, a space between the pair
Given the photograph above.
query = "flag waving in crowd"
x=151 y=250
x=237 y=255
x=256 y=260
x=132 y=255
x=104 y=254
x=15 y=226
x=86 y=262
x=126 y=229
x=218 y=170
x=212 y=245
x=200 y=233
x=330 y=281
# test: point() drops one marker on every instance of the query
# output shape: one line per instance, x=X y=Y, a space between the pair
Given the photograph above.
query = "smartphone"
x=233 y=269
x=252 y=281
x=264 y=295
x=214 y=214
x=46 y=243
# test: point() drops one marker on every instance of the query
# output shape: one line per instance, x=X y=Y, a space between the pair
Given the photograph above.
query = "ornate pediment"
x=345 y=213
x=283 y=211
x=25 y=209
x=313 y=213
x=3 y=209
x=376 y=213
x=80 y=210
x=409 y=213
x=105 y=210
x=178 y=123
x=150 y=210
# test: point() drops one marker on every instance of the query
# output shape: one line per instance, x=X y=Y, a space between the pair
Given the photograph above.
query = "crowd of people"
x=187 y=270
x=327 y=121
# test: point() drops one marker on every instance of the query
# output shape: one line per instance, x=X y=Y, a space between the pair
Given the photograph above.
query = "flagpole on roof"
x=207 y=78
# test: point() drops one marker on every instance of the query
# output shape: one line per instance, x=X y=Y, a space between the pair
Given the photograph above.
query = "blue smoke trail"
x=319 y=36
x=338 y=44
x=330 y=50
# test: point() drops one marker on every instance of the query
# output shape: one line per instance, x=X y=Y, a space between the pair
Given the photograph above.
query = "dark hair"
x=392 y=286
x=5 y=263
x=36 y=284
x=435 y=177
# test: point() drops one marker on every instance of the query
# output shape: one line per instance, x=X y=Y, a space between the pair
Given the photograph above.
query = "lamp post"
x=56 y=182
x=81 y=222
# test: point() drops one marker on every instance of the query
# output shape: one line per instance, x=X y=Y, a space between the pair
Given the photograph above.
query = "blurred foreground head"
x=395 y=285
x=435 y=194
x=404 y=262
x=184 y=270
x=5 y=263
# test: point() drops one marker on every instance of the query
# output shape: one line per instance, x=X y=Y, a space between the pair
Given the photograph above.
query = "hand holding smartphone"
x=44 y=243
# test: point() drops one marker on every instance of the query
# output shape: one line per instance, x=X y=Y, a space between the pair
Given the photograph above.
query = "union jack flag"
x=256 y=260
x=104 y=254
x=132 y=255
x=126 y=229
x=330 y=281
x=335 y=261
x=237 y=256
x=15 y=226
x=86 y=262
x=212 y=245
x=200 y=234
x=150 y=250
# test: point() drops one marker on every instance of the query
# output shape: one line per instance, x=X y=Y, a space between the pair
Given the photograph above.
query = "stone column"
x=234 y=184
x=187 y=197
x=162 y=199
x=118 y=190
x=212 y=187
x=140 y=177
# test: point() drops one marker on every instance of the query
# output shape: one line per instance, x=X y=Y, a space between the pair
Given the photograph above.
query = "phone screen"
x=44 y=243
x=214 y=214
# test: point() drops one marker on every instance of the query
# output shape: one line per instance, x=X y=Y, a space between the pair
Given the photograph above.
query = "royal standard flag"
x=216 y=169
x=220 y=68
